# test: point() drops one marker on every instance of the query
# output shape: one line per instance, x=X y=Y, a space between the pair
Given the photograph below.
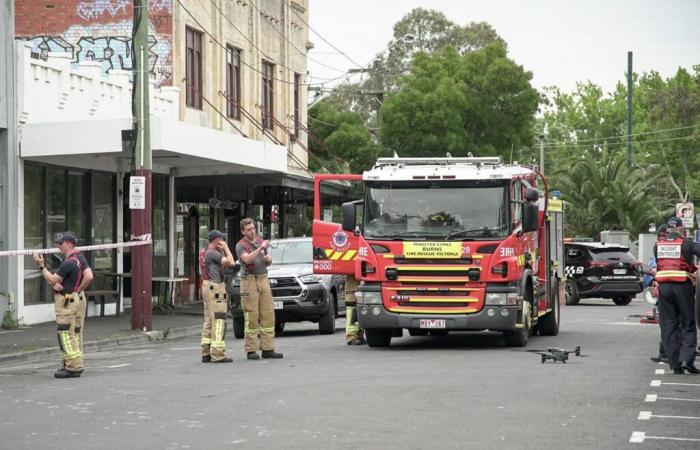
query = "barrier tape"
x=144 y=239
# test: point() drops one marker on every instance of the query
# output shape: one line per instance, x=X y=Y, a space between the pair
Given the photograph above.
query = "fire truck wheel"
x=622 y=300
x=571 y=292
x=238 y=325
x=378 y=337
x=518 y=337
x=549 y=323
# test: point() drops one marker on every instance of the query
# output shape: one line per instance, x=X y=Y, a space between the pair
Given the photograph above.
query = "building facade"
x=228 y=97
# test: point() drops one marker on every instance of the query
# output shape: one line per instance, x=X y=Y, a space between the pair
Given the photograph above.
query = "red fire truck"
x=447 y=244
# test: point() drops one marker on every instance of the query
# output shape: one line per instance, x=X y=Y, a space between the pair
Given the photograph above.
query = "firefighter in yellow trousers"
x=212 y=260
x=256 y=294
x=354 y=335
x=66 y=283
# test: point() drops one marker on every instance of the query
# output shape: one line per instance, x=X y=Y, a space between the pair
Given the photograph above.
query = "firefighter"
x=212 y=260
x=65 y=283
x=675 y=276
x=256 y=294
x=353 y=332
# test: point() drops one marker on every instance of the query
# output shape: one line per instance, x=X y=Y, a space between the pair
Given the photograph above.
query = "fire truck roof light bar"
x=493 y=161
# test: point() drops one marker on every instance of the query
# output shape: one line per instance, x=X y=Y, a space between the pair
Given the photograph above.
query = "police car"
x=600 y=270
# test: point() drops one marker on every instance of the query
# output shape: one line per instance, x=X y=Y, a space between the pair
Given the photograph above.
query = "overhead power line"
x=621 y=136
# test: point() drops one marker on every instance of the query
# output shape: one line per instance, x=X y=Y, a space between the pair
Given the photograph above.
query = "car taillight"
x=599 y=264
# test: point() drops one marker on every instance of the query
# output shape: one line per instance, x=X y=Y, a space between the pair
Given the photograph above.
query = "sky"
x=561 y=42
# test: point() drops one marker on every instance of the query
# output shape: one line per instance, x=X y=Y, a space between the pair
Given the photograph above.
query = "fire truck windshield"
x=459 y=210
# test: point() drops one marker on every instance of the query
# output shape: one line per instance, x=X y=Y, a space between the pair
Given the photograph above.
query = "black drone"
x=559 y=354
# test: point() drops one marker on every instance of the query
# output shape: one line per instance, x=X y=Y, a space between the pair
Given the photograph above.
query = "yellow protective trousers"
x=258 y=313
x=214 y=328
x=66 y=313
x=352 y=328
x=81 y=312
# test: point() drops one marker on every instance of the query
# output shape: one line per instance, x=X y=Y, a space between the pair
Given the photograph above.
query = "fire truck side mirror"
x=349 y=216
x=531 y=195
x=530 y=222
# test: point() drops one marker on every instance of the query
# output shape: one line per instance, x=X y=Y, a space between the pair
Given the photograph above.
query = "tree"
x=480 y=102
x=347 y=144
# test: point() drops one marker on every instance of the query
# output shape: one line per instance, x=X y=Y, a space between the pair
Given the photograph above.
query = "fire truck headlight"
x=369 y=298
x=501 y=298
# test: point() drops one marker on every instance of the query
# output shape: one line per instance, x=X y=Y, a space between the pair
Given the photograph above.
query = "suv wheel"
x=238 y=326
x=326 y=323
x=622 y=300
x=571 y=292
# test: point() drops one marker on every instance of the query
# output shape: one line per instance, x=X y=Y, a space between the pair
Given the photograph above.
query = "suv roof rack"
x=486 y=160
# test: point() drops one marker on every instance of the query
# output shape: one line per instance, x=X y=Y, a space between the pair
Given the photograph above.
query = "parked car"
x=299 y=295
x=598 y=270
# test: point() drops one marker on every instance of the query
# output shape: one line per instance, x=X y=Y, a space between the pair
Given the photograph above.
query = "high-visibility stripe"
x=408 y=279
x=221 y=345
x=336 y=256
x=671 y=273
x=352 y=328
x=350 y=254
x=542 y=313
x=431 y=299
x=388 y=256
x=437 y=268
x=433 y=310
x=430 y=289
x=329 y=252
x=206 y=341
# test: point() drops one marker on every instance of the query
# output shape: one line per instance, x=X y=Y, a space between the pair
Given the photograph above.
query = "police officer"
x=354 y=335
x=256 y=294
x=66 y=283
x=212 y=260
x=674 y=274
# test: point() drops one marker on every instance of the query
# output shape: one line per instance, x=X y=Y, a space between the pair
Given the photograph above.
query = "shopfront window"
x=103 y=226
x=35 y=289
x=160 y=225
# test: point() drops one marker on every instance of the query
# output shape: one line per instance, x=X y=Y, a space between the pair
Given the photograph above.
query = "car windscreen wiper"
x=419 y=235
x=483 y=232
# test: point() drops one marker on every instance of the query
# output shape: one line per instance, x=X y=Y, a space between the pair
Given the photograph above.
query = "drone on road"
x=559 y=354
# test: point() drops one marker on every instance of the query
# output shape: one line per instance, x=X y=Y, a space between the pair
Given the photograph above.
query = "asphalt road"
x=465 y=390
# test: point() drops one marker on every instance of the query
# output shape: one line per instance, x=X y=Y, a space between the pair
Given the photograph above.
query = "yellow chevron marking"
x=336 y=256
x=350 y=254
x=329 y=252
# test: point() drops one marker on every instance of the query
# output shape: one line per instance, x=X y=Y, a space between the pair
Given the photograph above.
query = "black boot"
x=253 y=355
x=267 y=354
x=206 y=358
x=689 y=367
x=64 y=373
x=222 y=360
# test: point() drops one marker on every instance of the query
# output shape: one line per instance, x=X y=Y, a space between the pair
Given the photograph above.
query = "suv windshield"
x=291 y=252
x=459 y=210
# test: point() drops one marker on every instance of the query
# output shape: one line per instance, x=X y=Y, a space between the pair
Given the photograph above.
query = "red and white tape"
x=144 y=239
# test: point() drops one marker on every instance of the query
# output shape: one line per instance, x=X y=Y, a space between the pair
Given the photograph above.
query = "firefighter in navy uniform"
x=212 y=260
x=66 y=283
x=675 y=273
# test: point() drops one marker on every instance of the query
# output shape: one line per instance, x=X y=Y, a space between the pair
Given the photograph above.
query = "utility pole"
x=140 y=182
x=629 y=109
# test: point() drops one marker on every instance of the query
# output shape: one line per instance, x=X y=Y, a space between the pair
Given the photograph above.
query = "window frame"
x=268 y=95
x=297 y=105
x=233 y=82
x=193 y=68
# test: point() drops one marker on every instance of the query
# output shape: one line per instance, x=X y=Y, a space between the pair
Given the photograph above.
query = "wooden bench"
x=104 y=296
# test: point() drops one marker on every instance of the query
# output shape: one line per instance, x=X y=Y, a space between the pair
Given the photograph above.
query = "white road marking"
x=655 y=383
x=118 y=365
x=659 y=372
x=644 y=415
x=651 y=398
x=676 y=417
x=682 y=384
x=680 y=399
x=637 y=437
x=666 y=438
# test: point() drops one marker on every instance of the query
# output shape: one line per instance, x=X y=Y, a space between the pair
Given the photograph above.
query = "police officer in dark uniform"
x=675 y=273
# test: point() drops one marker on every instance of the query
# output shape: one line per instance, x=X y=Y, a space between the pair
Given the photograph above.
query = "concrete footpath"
x=39 y=340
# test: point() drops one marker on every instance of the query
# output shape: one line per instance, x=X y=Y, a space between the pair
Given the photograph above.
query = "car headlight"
x=501 y=298
x=369 y=298
x=309 y=279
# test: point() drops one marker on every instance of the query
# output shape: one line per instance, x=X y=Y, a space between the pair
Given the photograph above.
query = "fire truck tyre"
x=378 y=337
x=571 y=292
x=417 y=332
x=622 y=300
x=549 y=323
x=238 y=331
x=518 y=337
x=279 y=328
x=326 y=323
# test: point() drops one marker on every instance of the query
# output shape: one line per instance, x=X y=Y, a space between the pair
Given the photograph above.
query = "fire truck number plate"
x=432 y=323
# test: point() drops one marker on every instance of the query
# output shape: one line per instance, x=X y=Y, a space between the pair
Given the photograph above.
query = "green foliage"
x=348 y=146
x=480 y=102
x=602 y=193
x=9 y=322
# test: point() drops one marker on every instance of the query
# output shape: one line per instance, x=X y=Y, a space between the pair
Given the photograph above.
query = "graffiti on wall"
x=98 y=8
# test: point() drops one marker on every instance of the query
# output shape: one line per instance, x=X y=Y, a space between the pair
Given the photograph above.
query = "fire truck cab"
x=448 y=244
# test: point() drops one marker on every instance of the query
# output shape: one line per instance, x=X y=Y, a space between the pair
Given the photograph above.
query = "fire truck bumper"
x=497 y=318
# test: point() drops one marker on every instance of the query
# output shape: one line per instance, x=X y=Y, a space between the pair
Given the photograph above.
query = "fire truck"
x=447 y=244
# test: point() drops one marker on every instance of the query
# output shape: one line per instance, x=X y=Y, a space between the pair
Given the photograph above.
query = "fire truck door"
x=335 y=249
